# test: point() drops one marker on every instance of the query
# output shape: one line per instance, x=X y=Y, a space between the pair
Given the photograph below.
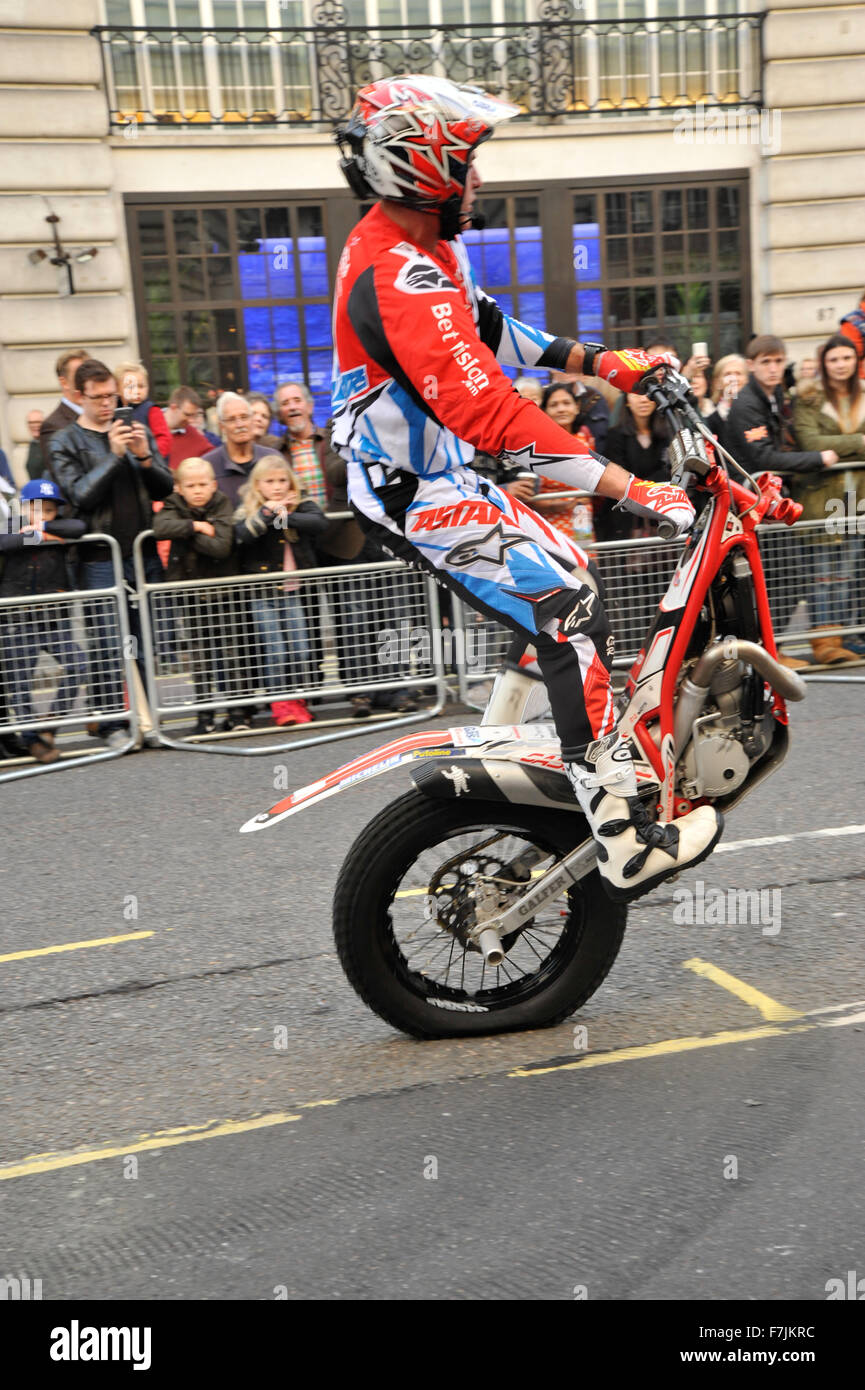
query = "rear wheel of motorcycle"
x=372 y=880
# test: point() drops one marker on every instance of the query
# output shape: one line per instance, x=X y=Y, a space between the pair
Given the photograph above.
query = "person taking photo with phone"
x=110 y=471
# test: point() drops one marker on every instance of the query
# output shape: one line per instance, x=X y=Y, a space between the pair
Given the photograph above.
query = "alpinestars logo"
x=581 y=614
x=490 y=547
x=528 y=456
x=419 y=275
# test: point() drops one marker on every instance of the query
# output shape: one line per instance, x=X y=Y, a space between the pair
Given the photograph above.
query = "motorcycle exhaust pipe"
x=490 y=944
x=695 y=687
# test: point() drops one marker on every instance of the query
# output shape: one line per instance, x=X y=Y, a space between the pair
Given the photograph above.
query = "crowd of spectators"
x=255 y=496
x=243 y=501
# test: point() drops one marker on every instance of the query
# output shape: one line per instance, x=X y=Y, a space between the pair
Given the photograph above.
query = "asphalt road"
x=707 y=1145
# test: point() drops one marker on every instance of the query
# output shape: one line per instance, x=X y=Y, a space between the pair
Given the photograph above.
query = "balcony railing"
x=560 y=66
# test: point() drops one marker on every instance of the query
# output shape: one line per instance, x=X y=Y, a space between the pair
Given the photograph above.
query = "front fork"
x=487 y=932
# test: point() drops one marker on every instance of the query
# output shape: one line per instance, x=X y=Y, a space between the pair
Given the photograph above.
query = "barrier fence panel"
x=815 y=580
x=249 y=641
x=67 y=660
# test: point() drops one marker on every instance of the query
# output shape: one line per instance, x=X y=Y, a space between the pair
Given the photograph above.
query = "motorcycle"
x=472 y=904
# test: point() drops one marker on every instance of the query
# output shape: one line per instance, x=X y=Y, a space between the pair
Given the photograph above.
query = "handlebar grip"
x=667 y=530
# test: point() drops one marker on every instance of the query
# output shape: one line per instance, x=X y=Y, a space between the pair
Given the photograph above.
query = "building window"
x=669 y=260
x=234 y=297
x=218 y=62
x=507 y=258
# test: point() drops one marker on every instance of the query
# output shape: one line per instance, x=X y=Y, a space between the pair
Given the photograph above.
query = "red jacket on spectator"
x=852 y=326
x=188 y=443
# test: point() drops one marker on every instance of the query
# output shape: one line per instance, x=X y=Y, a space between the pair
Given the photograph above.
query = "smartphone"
x=699 y=350
x=124 y=413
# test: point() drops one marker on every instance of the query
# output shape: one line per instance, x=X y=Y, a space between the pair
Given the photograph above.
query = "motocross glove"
x=661 y=502
x=623 y=369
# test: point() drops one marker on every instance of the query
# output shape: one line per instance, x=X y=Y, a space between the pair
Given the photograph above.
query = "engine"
x=733 y=732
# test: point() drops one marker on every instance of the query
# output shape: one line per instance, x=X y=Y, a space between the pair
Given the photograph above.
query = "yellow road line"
x=663 y=1049
x=76 y=945
x=769 y=1008
x=48 y=1162
x=170 y=1138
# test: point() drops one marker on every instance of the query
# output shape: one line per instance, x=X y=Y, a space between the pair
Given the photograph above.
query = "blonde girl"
x=274 y=530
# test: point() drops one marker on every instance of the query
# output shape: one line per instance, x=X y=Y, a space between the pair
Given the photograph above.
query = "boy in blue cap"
x=28 y=566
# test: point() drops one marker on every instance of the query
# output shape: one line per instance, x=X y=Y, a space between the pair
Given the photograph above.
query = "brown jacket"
x=59 y=418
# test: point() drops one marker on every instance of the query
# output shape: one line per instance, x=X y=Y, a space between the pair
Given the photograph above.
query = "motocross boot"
x=635 y=853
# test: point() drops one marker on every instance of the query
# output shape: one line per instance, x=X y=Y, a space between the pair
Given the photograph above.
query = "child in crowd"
x=197 y=519
x=133 y=384
x=274 y=533
x=29 y=567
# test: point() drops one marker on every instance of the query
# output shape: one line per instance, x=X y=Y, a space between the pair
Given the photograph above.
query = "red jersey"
x=417 y=380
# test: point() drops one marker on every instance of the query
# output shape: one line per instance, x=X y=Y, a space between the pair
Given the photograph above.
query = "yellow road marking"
x=170 y=1138
x=663 y=1049
x=189 y=1134
x=76 y=945
x=769 y=1008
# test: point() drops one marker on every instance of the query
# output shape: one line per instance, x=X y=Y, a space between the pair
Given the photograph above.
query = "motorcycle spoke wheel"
x=447 y=961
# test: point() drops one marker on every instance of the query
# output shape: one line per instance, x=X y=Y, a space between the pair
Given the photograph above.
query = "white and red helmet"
x=409 y=139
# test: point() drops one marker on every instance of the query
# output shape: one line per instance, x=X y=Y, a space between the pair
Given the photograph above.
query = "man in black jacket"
x=760 y=425
x=761 y=438
x=111 y=473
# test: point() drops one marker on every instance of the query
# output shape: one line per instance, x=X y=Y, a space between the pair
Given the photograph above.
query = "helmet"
x=409 y=139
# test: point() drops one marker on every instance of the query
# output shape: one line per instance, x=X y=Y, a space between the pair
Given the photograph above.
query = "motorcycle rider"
x=417 y=388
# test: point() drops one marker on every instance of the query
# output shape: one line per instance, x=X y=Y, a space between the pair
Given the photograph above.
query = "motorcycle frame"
x=652 y=681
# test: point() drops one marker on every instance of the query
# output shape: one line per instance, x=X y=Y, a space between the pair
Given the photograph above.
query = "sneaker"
x=205 y=724
x=118 y=740
x=235 y=722
x=290 y=712
x=43 y=752
x=361 y=707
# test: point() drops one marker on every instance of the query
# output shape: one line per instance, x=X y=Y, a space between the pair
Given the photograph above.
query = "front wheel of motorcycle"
x=409 y=890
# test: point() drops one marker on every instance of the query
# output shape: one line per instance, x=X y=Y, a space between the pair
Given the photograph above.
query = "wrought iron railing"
x=558 y=66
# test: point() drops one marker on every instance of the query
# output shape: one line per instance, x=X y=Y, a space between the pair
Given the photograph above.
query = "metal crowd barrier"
x=246 y=641
x=815 y=582
x=91 y=678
